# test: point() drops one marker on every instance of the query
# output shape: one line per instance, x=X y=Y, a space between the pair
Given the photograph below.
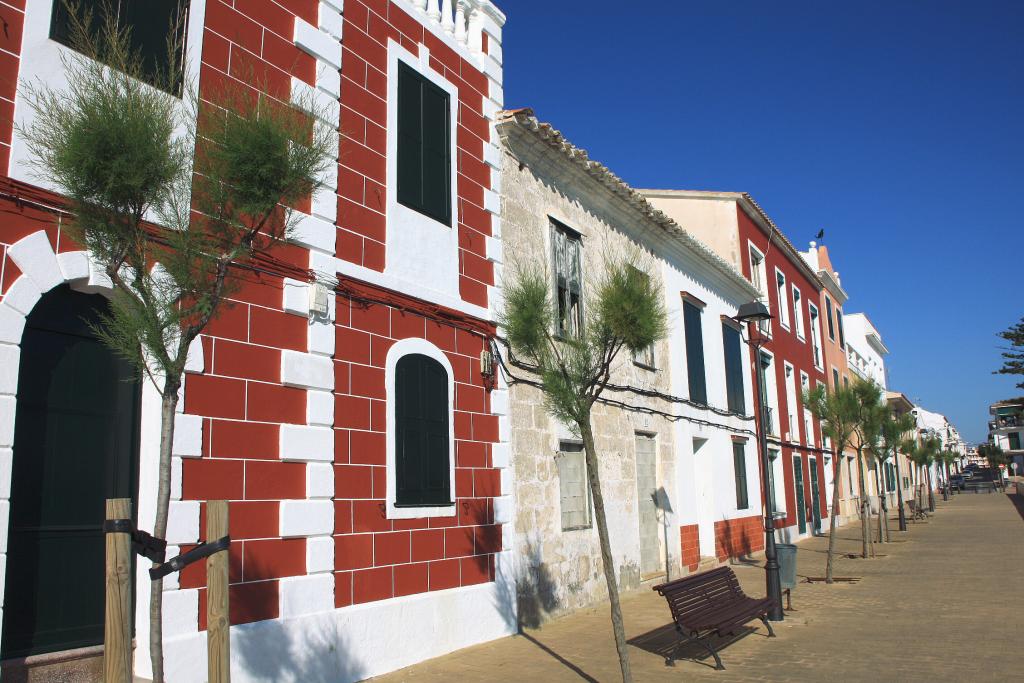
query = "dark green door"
x=815 y=498
x=75 y=444
x=798 y=477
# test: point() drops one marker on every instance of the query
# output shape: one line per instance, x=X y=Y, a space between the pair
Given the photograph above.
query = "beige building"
x=678 y=462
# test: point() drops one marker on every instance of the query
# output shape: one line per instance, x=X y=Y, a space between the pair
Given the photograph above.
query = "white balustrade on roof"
x=460 y=18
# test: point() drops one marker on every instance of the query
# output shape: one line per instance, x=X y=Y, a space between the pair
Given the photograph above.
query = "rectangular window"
x=805 y=386
x=849 y=474
x=839 y=324
x=835 y=378
x=757 y=270
x=734 y=368
x=568 y=280
x=644 y=357
x=828 y=317
x=815 y=335
x=574 y=492
x=157 y=33
x=739 y=463
x=694 y=352
x=780 y=287
x=424 y=146
x=1014 y=438
x=798 y=317
x=757 y=278
x=791 y=400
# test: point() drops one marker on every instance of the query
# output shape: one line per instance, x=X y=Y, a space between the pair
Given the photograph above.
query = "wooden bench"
x=916 y=511
x=711 y=602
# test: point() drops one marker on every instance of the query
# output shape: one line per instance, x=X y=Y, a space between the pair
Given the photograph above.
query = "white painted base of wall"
x=353 y=643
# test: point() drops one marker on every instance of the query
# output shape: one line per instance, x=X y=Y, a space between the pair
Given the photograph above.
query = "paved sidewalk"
x=933 y=606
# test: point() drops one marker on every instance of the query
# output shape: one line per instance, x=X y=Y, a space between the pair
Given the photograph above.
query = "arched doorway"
x=75 y=444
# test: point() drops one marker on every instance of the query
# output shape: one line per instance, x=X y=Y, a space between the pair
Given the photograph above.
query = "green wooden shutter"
x=151 y=23
x=424 y=146
x=422 y=466
x=733 y=368
x=740 y=467
x=695 y=353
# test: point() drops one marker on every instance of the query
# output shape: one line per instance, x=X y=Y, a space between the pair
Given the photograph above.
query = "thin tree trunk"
x=606 y=550
x=832 y=522
x=168 y=408
x=882 y=506
x=865 y=507
x=931 y=493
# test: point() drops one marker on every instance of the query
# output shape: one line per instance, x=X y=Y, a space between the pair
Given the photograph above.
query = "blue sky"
x=895 y=126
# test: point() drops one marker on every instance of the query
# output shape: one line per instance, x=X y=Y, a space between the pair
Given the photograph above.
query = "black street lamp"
x=899 y=490
x=755 y=313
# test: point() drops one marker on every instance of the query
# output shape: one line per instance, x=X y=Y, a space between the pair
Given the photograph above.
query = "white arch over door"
x=41 y=270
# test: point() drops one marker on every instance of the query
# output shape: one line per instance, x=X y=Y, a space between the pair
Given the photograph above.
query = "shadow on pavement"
x=1018 y=502
x=561 y=660
x=663 y=640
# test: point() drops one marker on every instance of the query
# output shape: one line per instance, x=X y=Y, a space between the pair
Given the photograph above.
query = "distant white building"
x=865 y=351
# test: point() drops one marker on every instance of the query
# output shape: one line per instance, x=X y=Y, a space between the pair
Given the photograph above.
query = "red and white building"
x=734 y=226
x=343 y=563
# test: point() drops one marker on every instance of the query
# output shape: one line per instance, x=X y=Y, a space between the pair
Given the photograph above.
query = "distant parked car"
x=957 y=480
x=968 y=474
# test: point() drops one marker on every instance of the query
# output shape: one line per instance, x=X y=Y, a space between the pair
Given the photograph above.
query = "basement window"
x=572 y=484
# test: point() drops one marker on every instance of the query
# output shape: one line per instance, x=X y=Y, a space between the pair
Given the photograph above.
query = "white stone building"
x=678 y=460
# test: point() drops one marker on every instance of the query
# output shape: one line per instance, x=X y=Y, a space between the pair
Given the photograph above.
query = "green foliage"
x=889 y=434
x=131 y=158
x=630 y=310
x=993 y=454
x=626 y=312
x=1013 y=356
x=849 y=415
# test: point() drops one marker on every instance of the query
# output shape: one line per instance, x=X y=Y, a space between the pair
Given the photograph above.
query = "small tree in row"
x=625 y=313
x=168 y=196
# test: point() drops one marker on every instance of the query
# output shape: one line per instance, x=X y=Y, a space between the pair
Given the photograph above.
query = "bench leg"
x=767 y=624
x=683 y=639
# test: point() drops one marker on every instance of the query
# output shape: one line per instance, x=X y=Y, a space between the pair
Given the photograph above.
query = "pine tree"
x=1013 y=356
x=170 y=196
x=625 y=312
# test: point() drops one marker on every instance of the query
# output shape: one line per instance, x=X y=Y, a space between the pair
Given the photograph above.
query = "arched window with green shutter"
x=422 y=467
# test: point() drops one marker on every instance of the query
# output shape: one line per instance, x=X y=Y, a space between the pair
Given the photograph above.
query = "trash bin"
x=786 y=554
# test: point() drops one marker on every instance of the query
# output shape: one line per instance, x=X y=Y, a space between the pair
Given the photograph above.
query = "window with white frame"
x=771 y=393
x=574 y=493
x=758 y=278
x=815 y=334
x=828 y=317
x=566 y=249
x=780 y=288
x=790 y=401
x=424 y=145
x=155 y=31
x=645 y=356
x=798 y=314
x=805 y=386
x=420 y=472
x=825 y=441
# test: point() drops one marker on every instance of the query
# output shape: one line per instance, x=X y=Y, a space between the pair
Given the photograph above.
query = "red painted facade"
x=785 y=346
x=735 y=538
x=240 y=397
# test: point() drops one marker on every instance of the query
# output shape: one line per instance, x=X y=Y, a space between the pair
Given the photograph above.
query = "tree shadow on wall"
x=303 y=649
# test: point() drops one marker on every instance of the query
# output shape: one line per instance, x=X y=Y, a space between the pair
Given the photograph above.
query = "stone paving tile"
x=933 y=606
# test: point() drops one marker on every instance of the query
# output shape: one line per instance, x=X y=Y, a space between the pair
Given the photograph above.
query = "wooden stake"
x=218 y=640
x=117 y=623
